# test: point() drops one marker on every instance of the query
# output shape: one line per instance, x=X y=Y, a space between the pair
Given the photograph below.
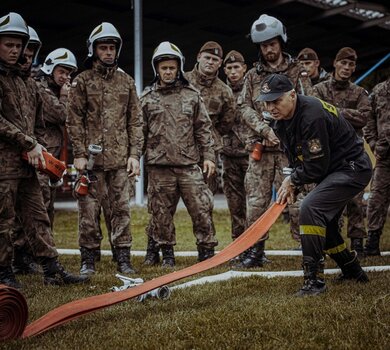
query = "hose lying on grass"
x=75 y=309
x=13 y=313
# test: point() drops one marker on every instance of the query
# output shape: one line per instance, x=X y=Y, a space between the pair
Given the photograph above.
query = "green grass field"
x=241 y=313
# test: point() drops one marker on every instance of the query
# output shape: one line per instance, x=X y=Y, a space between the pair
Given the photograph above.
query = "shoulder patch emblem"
x=74 y=84
x=315 y=146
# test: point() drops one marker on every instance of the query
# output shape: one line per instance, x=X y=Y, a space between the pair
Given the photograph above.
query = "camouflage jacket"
x=377 y=130
x=176 y=126
x=234 y=141
x=17 y=122
x=54 y=114
x=104 y=109
x=219 y=101
x=322 y=76
x=351 y=100
x=252 y=110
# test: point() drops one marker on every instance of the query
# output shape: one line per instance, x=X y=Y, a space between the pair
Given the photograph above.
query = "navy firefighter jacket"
x=318 y=141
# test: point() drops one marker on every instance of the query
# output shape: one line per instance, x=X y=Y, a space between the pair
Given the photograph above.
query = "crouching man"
x=322 y=148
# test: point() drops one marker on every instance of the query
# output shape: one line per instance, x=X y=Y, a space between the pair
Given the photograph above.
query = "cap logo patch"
x=265 y=89
x=216 y=51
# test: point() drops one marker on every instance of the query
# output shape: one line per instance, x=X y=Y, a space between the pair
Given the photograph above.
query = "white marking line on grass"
x=269 y=274
x=142 y=252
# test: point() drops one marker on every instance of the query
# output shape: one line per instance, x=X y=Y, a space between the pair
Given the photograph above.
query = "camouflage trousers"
x=212 y=181
x=49 y=195
x=106 y=208
x=24 y=194
x=260 y=177
x=355 y=215
x=166 y=184
x=379 y=200
x=234 y=170
x=107 y=213
x=19 y=238
x=115 y=184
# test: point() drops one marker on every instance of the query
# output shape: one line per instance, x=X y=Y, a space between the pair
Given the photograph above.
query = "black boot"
x=313 y=273
x=350 y=267
x=7 y=277
x=23 y=262
x=254 y=257
x=87 y=261
x=205 y=253
x=168 y=256
x=55 y=274
x=113 y=251
x=357 y=246
x=152 y=256
x=97 y=255
x=123 y=257
x=372 y=244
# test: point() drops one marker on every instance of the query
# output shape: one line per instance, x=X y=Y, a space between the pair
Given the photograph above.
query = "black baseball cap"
x=274 y=86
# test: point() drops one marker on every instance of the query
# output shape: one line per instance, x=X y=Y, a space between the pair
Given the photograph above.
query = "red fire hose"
x=70 y=311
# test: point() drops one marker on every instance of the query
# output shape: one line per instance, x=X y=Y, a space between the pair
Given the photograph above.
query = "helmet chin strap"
x=106 y=64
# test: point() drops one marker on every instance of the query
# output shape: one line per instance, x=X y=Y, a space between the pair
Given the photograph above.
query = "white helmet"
x=63 y=57
x=266 y=28
x=35 y=41
x=14 y=24
x=167 y=50
x=104 y=31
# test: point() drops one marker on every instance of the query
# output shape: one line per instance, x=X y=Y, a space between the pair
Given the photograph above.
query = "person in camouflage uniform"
x=309 y=58
x=53 y=81
x=217 y=96
x=23 y=260
x=19 y=186
x=269 y=34
x=377 y=135
x=352 y=101
x=177 y=131
x=234 y=154
x=104 y=110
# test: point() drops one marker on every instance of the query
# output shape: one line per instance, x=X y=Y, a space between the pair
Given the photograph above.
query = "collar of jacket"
x=339 y=84
x=25 y=74
x=105 y=71
x=6 y=69
x=203 y=79
x=169 y=88
x=49 y=83
x=237 y=86
x=264 y=67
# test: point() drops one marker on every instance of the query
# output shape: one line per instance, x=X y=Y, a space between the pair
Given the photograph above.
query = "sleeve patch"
x=314 y=146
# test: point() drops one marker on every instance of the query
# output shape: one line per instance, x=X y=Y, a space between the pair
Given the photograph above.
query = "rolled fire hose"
x=78 y=308
x=13 y=313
